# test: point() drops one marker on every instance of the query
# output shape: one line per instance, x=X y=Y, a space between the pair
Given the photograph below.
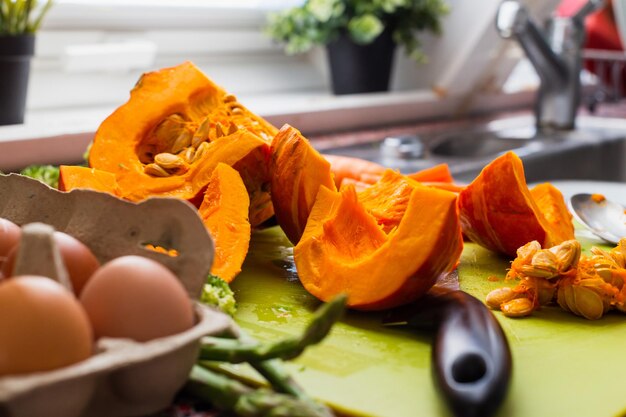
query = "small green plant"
x=318 y=22
x=18 y=17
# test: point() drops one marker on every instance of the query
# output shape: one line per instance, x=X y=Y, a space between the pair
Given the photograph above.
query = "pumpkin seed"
x=567 y=255
x=588 y=302
x=169 y=128
x=219 y=130
x=229 y=98
x=155 y=171
x=182 y=141
x=545 y=292
x=232 y=129
x=188 y=154
x=499 y=296
x=202 y=149
x=202 y=133
x=169 y=161
x=570 y=299
x=561 y=300
x=236 y=109
x=518 y=307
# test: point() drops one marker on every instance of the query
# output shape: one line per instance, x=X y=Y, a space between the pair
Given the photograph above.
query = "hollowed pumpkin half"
x=499 y=212
x=345 y=250
x=297 y=171
x=175 y=128
x=224 y=212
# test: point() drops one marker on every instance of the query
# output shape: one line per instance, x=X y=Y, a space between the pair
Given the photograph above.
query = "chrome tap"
x=556 y=55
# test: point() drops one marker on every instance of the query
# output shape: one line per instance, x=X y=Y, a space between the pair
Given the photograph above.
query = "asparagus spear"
x=237 y=351
x=231 y=395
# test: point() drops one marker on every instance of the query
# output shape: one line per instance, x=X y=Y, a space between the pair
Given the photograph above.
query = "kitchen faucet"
x=556 y=56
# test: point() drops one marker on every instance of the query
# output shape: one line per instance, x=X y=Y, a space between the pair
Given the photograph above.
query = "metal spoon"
x=604 y=218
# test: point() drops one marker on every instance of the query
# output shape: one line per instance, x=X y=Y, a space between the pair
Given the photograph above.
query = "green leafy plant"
x=18 y=17
x=318 y=22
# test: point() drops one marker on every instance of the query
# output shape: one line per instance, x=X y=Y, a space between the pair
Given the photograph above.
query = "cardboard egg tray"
x=123 y=377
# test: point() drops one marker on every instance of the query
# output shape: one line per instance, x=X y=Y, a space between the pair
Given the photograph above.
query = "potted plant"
x=18 y=24
x=360 y=36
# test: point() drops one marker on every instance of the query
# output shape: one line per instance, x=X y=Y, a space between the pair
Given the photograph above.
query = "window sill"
x=61 y=136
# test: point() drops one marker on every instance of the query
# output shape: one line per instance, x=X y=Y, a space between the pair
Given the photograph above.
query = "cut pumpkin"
x=174 y=130
x=224 y=212
x=344 y=248
x=499 y=212
x=76 y=177
x=297 y=172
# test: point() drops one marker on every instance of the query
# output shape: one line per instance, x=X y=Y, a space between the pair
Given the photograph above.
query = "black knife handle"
x=471 y=356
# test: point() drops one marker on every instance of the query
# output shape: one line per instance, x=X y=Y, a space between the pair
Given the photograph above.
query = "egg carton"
x=123 y=377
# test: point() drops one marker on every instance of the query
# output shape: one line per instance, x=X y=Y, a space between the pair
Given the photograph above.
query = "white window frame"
x=224 y=39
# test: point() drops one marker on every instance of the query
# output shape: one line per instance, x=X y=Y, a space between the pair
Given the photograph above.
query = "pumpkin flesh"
x=345 y=250
x=297 y=172
x=224 y=212
x=77 y=177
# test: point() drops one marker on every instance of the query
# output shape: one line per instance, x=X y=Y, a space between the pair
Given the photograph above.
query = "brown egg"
x=80 y=262
x=42 y=326
x=137 y=298
x=9 y=237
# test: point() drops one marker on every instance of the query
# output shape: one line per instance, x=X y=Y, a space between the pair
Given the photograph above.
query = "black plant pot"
x=15 y=56
x=361 y=68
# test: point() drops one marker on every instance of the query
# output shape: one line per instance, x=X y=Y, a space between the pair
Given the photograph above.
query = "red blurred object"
x=602 y=34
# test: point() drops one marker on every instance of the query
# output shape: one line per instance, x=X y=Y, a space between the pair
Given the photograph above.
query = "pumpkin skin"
x=297 y=172
x=224 y=212
x=345 y=250
x=167 y=109
x=499 y=212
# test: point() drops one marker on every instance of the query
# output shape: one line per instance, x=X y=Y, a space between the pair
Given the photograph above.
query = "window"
x=90 y=53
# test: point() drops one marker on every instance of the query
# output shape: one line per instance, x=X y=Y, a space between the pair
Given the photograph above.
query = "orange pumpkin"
x=224 y=212
x=499 y=212
x=71 y=177
x=384 y=247
x=297 y=172
x=174 y=130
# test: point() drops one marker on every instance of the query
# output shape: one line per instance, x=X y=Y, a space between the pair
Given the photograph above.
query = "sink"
x=475 y=144
x=596 y=150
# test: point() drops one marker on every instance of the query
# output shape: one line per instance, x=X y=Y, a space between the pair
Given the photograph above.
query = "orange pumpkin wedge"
x=554 y=209
x=499 y=212
x=74 y=177
x=297 y=172
x=224 y=212
x=174 y=130
x=345 y=250
x=356 y=169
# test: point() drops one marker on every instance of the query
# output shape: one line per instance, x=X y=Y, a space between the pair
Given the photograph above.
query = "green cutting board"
x=563 y=365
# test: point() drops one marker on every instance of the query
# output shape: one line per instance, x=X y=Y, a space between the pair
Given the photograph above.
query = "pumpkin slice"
x=173 y=131
x=554 y=209
x=224 y=212
x=297 y=172
x=499 y=212
x=345 y=250
x=356 y=169
x=387 y=200
x=74 y=177
x=438 y=173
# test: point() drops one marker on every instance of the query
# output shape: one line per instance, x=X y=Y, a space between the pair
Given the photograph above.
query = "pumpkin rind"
x=297 y=172
x=344 y=250
x=224 y=212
